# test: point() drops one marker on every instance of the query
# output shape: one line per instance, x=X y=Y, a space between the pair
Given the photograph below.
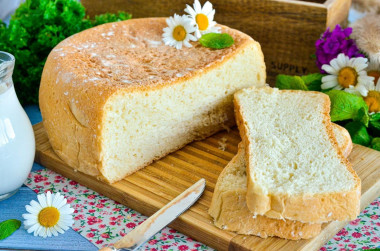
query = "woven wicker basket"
x=286 y=29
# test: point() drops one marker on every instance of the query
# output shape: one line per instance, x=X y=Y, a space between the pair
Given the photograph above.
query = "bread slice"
x=343 y=139
x=229 y=208
x=114 y=98
x=295 y=169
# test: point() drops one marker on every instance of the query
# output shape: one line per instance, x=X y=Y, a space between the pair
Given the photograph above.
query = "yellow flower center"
x=48 y=217
x=373 y=101
x=375 y=74
x=347 y=76
x=202 y=21
x=179 y=33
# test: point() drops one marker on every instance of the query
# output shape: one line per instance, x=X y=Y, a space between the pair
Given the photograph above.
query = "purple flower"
x=332 y=43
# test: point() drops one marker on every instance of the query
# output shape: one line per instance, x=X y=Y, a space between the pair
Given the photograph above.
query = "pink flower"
x=367 y=233
x=163 y=238
x=183 y=247
x=73 y=183
x=197 y=245
x=352 y=245
x=91 y=211
x=102 y=226
x=47 y=183
x=92 y=196
x=93 y=230
x=374 y=217
x=121 y=233
x=70 y=199
x=105 y=235
x=355 y=222
x=112 y=223
x=375 y=239
x=131 y=225
x=323 y=249
x=365 y=247
x=356 y=235
x=189 y=239
x=172 y=230
x=337 y=238
x=152 y=242
x=342 y=232
x=91 y=220
x=153 y=249
x=99 y=205
x=116 y=209
x=38 y=178
x=165 y=246
x=378 y=224
x=113 y=218
x=65 y=190
x=99 y=242
x=90 y=235
x=170 y=236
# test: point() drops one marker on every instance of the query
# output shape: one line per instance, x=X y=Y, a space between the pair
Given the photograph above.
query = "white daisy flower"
x=348 y=74
x=178 y=31
x=202 y=18
x=49 y=216
x=373 y=97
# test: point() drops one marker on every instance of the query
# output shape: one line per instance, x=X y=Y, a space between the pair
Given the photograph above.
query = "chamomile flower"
x=178 y=31
x=373 y=70
x=202 y=18
x=373 y=97
x=347 y=74
x=49 y=216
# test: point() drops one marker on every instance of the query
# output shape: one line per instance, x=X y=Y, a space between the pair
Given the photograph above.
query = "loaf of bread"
x=229 y=208
x=114 y=98
x=295 y=169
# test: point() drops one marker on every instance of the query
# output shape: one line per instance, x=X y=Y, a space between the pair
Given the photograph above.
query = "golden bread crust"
x=85 y=70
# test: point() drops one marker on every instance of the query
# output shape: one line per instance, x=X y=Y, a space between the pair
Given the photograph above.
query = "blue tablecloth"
x=14 y=207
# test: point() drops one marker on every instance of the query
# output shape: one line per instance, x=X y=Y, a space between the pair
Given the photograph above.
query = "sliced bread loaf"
x=295 y=169
x=229 y=208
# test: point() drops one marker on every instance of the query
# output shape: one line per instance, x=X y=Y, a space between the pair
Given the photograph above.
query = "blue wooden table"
x=14 y=207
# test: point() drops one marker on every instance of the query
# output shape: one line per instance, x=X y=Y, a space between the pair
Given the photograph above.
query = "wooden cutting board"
x=152 y=187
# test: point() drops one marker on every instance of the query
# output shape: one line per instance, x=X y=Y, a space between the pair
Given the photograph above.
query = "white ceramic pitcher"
x=17 y=145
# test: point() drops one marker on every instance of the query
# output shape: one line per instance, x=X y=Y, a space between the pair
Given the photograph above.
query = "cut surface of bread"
x=295 y=169
x=229 y=208
x=114 y=98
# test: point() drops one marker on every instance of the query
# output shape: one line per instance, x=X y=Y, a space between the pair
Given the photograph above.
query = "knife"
x=142 y=233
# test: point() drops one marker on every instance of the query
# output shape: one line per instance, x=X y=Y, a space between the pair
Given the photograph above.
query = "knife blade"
x=142 y=233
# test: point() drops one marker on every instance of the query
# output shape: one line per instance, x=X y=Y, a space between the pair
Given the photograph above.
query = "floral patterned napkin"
x=104 y=221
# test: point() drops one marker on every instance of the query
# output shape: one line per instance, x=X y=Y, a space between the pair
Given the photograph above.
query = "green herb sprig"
x=35 y=28
x=347 y=109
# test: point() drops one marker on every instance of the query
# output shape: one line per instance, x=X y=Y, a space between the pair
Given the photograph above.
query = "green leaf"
x=8 y=227
x=286 y=82
x=345 y=105
x=374 y=117
x=216 y=40
x=358 y=132
x=313 y=81
x=362 y=116
x=375 y=144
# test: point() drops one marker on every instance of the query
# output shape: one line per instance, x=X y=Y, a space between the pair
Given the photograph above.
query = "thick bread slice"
x=114 y=98
x=229 y=208
x=295 y=169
